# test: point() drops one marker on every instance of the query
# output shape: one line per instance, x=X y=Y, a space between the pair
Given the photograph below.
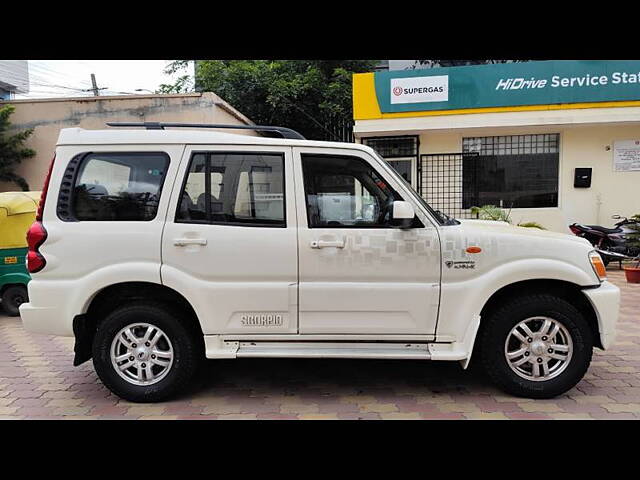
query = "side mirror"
x=403 y=214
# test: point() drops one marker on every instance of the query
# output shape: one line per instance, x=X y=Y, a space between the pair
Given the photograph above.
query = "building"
x=48 y=116
x=14 y=78
x=556 y=142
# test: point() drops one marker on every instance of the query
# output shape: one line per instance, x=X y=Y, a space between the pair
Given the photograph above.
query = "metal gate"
x=442 y=183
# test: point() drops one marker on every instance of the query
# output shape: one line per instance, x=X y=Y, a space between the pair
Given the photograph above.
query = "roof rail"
x=283 y=131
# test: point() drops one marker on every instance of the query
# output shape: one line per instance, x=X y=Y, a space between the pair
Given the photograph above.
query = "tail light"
x=574 y=229
x=35 y=237
x=37 y=234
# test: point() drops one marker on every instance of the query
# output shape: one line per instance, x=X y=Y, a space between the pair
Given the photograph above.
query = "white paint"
x=322 y=295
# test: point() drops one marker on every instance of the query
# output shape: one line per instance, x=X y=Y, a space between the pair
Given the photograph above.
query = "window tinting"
x=345 y=192
x=234 y=188
x=119 y=186
x=519 y=171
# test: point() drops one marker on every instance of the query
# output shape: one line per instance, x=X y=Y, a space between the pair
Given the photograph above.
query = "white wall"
x=48 y=116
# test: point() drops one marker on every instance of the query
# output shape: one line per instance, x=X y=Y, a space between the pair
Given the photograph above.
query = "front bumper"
x=606 y=302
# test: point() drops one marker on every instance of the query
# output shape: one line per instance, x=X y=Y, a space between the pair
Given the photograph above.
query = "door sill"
x=333 y=350
x=293 y=337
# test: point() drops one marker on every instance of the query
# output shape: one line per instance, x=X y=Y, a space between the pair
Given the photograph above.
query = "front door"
x=230 y=240
x=358 y=273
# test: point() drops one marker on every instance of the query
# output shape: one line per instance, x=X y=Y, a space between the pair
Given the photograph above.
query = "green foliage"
x=634 y=238
x=12 y=149
x=310 y=96
x=491 y=212
x=531 y=225
x=458 y=63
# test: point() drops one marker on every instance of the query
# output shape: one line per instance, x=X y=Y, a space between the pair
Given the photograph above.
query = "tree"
x=310 y=96
x=12 y=149
x=457 y=63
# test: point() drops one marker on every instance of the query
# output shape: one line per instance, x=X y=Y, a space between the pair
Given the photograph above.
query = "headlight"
x=598 y=265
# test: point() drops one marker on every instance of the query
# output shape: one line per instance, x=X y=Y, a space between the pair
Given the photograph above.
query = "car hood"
x=497 y=227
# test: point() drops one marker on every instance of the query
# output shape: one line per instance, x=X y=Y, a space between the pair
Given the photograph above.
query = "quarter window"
x=345 y=192
x=118 y=186
x=235 y=189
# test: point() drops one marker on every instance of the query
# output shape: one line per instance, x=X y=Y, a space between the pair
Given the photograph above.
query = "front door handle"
x=327 y=243
x=183 y=242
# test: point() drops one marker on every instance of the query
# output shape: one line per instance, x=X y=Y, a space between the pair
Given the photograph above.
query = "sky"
x=68 y=78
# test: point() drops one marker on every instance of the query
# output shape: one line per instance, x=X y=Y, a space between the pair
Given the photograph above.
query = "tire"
x=182 y=343
x=574 y=335
x=12 y=298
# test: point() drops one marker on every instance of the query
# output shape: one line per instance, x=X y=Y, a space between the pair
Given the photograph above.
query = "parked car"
x=158 y=248
x=17 y=213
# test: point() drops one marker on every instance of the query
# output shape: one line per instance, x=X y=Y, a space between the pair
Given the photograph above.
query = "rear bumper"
x=606 y=302
x=47 y=320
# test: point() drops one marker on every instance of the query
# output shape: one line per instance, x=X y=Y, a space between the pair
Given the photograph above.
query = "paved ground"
x=38 y=381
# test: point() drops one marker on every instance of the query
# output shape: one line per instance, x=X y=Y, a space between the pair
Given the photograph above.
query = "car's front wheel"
x=536 y=346
x=145 y=353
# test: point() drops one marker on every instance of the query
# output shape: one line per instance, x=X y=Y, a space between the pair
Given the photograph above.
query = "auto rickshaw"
x=17 y=213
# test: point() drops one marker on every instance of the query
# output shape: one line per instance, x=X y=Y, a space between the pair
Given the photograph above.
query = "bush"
x=12 y=149
x=491 y=212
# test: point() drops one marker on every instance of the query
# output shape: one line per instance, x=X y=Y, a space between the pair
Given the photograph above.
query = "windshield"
x=441 y=218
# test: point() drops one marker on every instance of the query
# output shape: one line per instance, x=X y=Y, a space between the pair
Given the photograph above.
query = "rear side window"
x=244 y=189
x=117 y=186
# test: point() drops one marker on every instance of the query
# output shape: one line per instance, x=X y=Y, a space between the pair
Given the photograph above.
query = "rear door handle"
x=183 y=242
x=327 y=243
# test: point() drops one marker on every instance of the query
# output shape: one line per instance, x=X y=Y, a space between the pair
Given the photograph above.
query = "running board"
x=401 y=351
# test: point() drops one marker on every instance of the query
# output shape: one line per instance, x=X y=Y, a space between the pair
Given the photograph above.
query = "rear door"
x=230 y=240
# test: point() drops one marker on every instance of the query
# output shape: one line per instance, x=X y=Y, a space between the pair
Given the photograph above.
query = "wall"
x=48 y=116
x=580 y=146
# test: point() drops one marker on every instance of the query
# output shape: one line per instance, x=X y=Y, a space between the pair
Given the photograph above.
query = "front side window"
x=235 y=189
x=345 y=192
x=519 y=171
x=119 y=186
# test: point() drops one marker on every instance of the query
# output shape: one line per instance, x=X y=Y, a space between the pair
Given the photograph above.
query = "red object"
x=632 y=274
x=575 y=230
x=45 y=188
x=35 y=237
x=474 y=249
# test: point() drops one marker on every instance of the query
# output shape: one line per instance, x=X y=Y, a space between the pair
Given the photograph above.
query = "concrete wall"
x=580 y=146
x=48 y=116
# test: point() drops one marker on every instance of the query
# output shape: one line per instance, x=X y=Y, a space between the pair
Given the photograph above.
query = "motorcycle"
x=611 y=243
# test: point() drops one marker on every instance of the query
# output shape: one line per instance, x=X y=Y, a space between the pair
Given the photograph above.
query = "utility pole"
x=96 y=92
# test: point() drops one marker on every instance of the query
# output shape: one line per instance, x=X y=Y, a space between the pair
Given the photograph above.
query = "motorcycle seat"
x=604 y=229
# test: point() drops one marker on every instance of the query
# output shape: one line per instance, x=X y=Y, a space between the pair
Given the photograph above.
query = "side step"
x=402 y=351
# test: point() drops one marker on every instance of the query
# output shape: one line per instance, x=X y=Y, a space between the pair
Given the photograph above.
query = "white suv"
x=157 y=248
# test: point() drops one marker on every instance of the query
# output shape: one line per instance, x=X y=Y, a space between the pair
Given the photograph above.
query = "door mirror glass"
x=403 y=214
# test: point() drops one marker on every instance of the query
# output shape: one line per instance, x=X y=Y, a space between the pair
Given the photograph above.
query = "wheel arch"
x=108 y=298
x=560 y=288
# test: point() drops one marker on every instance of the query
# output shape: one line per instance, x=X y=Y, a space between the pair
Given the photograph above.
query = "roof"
x=15 y=203
x=121 y=136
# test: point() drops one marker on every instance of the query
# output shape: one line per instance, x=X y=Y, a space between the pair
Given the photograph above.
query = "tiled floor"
x=37 y=380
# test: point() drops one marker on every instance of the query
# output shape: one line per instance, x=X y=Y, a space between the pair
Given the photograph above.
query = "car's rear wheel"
x=536 y=346
x=145 y=353
x=12 y=298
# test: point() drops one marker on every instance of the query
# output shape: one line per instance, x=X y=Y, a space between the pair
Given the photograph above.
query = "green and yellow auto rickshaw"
x=17 y=213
